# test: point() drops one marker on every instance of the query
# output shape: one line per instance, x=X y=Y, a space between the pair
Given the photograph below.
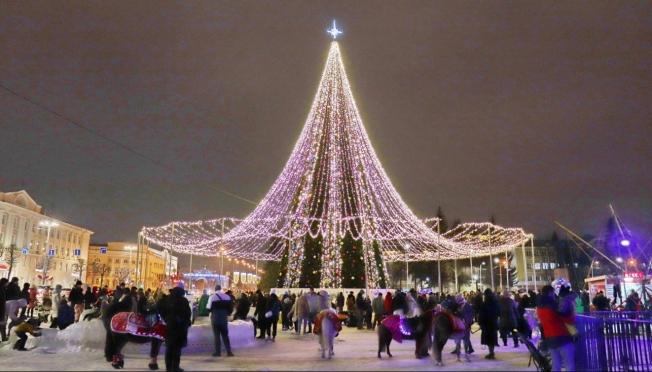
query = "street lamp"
x=500 y=272
x=475 y=279
x=222 y=266
x=481 y=267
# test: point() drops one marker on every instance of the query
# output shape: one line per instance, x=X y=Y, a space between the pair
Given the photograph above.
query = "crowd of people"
x=501 y=316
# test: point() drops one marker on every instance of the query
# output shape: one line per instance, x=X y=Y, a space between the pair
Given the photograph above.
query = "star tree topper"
x=334 y=31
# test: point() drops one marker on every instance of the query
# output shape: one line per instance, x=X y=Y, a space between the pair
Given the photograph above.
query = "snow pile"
x=89 y=336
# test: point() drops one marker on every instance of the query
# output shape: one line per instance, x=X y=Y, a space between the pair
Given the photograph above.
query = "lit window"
x=537 y=266
x=545 y=266
x=553 y=265
x=575 y=264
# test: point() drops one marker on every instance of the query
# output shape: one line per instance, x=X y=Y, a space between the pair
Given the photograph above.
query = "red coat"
x=553 y=323
x=388 y=303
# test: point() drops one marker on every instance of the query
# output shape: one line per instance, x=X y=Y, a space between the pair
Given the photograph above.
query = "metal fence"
x=614 y=341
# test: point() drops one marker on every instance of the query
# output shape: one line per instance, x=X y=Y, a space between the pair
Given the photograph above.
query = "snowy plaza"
x=80 y=348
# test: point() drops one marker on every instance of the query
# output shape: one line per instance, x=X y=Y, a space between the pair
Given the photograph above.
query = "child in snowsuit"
x=23 y=329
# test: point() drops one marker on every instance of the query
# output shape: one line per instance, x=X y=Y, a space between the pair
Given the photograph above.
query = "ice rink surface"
x=81 y=349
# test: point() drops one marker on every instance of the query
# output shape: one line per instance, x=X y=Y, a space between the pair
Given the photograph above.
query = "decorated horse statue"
x=447 y=326
x=327 y=326
x=137 y=329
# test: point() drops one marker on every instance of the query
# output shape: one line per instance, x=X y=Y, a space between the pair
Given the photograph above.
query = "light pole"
x=222 y=266
x=407 y=269
x=130 y=248
x=481 y=267
x=475 y=279
x=49 y=225
x=500 y=272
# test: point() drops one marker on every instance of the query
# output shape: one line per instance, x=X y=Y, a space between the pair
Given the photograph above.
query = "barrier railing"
x=614 y=341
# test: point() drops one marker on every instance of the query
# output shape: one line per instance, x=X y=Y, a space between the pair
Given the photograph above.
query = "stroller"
x=540 y=356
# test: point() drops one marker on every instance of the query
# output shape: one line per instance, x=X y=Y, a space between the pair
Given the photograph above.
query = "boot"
x=229 y=353
x=3 y=333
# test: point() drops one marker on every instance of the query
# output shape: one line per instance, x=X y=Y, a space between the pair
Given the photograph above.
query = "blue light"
x=625 y=242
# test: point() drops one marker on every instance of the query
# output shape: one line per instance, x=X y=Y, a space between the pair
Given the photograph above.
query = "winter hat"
x=564 y=290
x=459 y=298
x=180 y=285
x=488 y=292
x=78 y=282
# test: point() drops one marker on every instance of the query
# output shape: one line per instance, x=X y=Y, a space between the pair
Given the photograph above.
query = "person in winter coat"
x=399 y=303
x=274 y=307
x=555 y=333
x=388 y=303
x=12 y=308
x=340 y=302
x=32 y=300
x=360 y=307
x=242 y=307
x=601 y=302
x=350 y=304
x=285 y=310
x=632 y=300
x=378 y=308
x=76 y=299
x=488 y=321
x=13 y=290
x=178 y=318
x=508 y=315
x=302 y=312
x=24 y=293
x=56 y=302
x=477 y=304
x=261 y=305
x=3 y=303
x=522 y=324
x=30 y=326
x=65 y=315
x=203 y=302
x=465 y=312
x=220 y=306
x=89 y=298
x=368 y=312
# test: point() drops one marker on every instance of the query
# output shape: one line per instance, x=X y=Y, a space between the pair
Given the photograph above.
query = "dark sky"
x=530 y=111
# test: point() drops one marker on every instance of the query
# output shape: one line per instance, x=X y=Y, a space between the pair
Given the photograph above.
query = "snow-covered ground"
x=80 y=348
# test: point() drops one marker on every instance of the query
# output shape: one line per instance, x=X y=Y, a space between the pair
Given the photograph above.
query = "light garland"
x=332 y=186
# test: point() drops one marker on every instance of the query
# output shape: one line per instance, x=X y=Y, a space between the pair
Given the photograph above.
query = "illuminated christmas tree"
x=333 y=218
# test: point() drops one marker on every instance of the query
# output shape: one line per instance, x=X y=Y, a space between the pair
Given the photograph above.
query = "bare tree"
x=79 y=267
x=10 y=255
x=121 y=273
x=44 y=264
x=99 y=269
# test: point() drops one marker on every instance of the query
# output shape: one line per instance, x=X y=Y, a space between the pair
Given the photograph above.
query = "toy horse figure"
x=126 y=327
x=397 y=327
x=447 y=326
x=327 y=326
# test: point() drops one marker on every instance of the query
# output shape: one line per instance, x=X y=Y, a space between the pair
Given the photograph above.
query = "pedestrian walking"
x=220 y=307
x=488 y=321
x=177 y=315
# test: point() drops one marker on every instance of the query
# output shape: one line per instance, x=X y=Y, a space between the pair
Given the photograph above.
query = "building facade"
x=136 y=265
x=48 y=248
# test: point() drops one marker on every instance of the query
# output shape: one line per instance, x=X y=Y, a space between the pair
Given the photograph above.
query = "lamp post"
x=130 y=248
x=500 y=272
x=222 y=266
x=49 y=225
x=407 y=269
x=481 y=267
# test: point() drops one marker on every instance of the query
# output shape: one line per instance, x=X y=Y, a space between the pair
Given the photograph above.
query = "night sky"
x=530 y=111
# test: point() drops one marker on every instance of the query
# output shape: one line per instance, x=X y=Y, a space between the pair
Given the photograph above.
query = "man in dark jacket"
x=178 y=318
x=273 y=307
x=220 y=307
x=261 y=305
x=488 y=321
x=13 y=290
x=360 y=307
x=508 y=318
x=340 y=302
x=601 y=302
x=76 y=298
x=477 y=304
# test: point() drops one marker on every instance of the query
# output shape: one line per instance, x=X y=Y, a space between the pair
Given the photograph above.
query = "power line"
x=124 y=147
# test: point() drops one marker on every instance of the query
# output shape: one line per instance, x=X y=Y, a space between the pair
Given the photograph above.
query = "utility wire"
x=124 y=147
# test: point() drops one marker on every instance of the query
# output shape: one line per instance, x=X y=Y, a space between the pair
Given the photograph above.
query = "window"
x=117 y=260
x=26 y=225
x=4 y=219
x=537 y=266
x=69 y=237
x=575 y=264
x=13 y=239
x=528 y=253
x=16 y=222
x=529 y=266
x=545 y=266
x=529 y=278
x=552 y=265
x=58 y=234
x=537 y=253
x=125 y=261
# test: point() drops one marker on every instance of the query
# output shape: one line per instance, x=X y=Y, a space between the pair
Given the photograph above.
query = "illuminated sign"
x=633 y=274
